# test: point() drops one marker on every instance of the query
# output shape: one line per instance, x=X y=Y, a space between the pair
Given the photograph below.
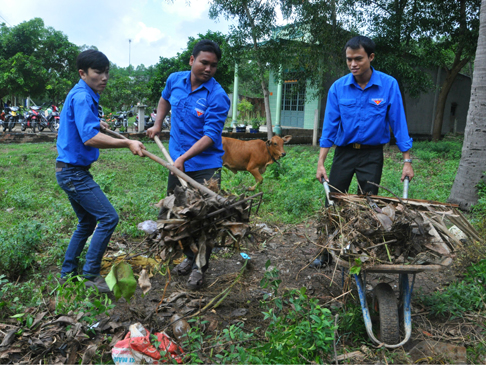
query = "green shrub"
x=18 y=247
x=462 y=296
x=15 y=296
x=298 y=330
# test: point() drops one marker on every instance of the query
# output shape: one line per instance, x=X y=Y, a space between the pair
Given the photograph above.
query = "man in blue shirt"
x=199 y=109
x=78 y=142
x=361 y=108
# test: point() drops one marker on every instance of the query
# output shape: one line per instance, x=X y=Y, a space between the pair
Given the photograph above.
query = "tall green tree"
x=472 y=167
x=413 y=35
x=127 y=87
x=36 y=60
x=455 y=26
x=251 y=37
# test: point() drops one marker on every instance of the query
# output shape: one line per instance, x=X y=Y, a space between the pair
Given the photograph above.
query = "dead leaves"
x=380 y=230
x=191 y=220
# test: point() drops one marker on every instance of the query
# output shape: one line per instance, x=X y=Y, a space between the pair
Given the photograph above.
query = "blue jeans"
x=91 y=207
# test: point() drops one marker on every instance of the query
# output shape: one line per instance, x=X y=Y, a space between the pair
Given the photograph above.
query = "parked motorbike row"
x=33 y=118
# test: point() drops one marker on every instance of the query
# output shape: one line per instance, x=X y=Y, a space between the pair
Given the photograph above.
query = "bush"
x=18 y=248
x=463 y=296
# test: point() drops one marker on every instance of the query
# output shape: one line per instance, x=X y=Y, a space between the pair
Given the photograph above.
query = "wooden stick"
x=174 y=170
x=168 y=158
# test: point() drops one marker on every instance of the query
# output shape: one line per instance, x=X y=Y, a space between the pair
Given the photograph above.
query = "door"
x=293 y=102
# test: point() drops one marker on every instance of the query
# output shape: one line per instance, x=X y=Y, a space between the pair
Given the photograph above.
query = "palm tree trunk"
x=472 y=167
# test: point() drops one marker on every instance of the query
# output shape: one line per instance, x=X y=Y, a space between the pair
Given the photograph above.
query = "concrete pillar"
x=141 y=118
x=277 y=129
x=235 y=97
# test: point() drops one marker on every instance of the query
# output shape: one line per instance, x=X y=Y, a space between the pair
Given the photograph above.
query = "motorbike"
x=150 y=120
x=32 y=119
x=53 y=119
x=121 y=121
x=12 y=118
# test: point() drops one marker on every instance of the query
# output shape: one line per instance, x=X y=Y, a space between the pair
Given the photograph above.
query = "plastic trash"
x=148 y=227
x=245 y=256
x=136 y=348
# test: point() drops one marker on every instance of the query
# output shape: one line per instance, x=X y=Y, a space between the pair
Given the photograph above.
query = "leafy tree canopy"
x=36 y=60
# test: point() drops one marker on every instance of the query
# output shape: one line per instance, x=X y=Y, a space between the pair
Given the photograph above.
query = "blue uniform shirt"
x=354 y=115
x=195 y=114
x=79 y=122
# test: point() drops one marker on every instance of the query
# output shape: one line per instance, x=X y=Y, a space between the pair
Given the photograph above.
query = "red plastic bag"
x=136 y=347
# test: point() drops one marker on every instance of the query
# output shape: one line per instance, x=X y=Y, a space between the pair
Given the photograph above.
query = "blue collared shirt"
x=195 y=114
x=354 y=115
x=79 y=122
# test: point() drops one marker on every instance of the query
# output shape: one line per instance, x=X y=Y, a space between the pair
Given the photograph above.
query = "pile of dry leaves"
x=380 y=230
x=189 y=219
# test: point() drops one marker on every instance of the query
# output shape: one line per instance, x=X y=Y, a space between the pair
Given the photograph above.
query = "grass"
x=31 y=201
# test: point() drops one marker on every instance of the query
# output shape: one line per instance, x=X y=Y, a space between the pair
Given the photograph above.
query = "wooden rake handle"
x=173 y=169
x=168 y=158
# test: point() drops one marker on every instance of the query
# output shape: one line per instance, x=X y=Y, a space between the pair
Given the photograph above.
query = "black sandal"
x=196 y=280
x=184 y=268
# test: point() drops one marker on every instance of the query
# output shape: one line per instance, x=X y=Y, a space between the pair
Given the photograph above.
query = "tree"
x=455 y=24
x=472 y=167
x=251 y=36
x=35 y=60
x=127 y=86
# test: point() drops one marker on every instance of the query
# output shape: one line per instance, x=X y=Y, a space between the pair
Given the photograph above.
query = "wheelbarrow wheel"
x=387 y=307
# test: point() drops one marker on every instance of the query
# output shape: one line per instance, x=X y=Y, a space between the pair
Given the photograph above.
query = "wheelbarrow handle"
x=328 y=191
x=406 y=183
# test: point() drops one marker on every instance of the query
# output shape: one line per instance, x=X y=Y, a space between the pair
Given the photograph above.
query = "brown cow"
x=253 y=156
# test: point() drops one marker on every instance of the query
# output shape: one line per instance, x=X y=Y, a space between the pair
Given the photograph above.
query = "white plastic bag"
x=148 y=227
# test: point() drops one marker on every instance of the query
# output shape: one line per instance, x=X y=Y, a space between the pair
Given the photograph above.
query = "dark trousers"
x=367 y=164
x=200 y=176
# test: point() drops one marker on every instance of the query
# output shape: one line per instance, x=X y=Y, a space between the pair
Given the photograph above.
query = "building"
x=297 y=112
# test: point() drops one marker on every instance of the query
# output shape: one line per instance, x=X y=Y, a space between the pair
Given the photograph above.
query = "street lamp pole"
x=129 y=48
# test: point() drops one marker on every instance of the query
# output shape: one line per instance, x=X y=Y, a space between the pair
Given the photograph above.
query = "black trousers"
x=367 y=164
x=200 y=177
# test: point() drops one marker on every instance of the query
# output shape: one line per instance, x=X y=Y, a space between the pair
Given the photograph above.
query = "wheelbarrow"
x=384 y=298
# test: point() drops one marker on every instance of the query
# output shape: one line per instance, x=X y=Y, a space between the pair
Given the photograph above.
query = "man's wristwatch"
x=409 y=160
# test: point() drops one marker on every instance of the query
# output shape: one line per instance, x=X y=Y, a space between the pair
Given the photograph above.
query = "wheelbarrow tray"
x=383 y=293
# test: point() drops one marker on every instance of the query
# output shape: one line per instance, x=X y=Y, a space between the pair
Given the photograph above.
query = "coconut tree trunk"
x=472 y=167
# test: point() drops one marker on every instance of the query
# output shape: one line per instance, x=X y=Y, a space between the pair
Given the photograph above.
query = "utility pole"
x=129 y=49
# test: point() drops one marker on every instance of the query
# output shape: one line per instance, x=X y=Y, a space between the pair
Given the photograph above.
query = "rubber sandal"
x=196 y=280
x=184 y=268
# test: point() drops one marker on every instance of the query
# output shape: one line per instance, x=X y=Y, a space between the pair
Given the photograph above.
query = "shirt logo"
x=199 y=112
x=377 y=101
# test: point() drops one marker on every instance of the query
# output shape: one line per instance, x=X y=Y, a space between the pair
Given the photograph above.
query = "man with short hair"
x=199 y=108
x=361 y=107
x=78 y=142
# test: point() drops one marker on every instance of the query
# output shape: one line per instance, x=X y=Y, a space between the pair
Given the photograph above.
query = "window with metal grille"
x=293 y=97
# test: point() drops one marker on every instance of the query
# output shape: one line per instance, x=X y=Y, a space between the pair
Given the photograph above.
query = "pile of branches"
x=379 y=230
x=188 y=219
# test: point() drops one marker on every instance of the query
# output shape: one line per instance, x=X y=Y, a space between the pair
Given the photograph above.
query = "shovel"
x=174 y=170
